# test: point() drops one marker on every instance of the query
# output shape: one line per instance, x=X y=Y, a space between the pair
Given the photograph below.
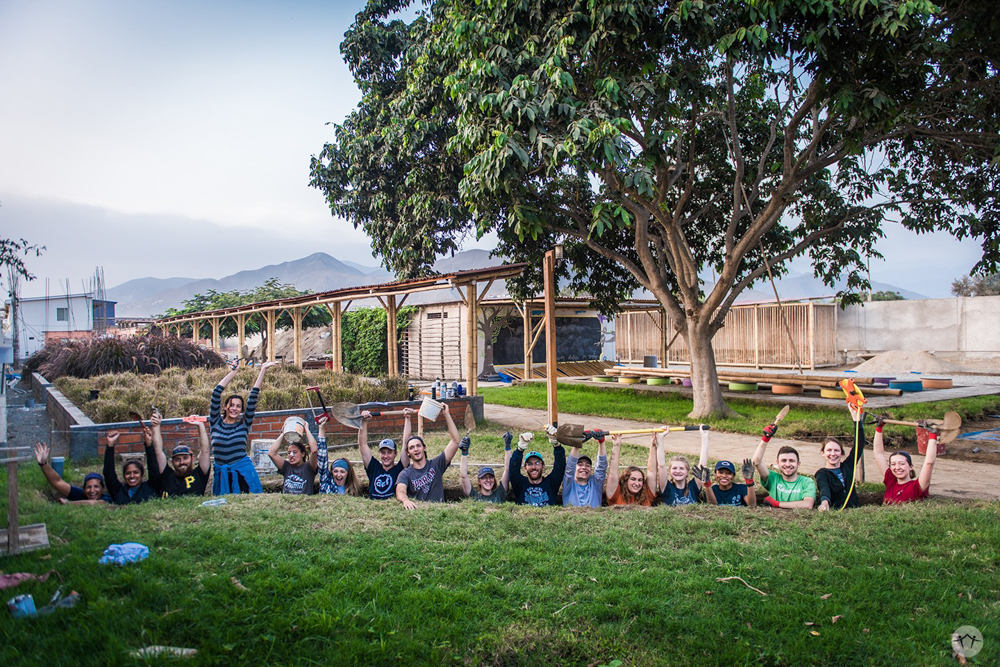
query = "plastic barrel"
x=657 y=382
x=742 y=386
x=622 y=379
x=786 y=389
x=938 y=383
x=907 y=385
x=831 y=393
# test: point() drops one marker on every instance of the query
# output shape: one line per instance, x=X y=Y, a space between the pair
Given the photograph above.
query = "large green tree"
x=658 y=139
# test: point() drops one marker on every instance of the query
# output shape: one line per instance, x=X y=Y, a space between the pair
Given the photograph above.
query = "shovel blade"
x=570 y=435
x=470 y=419
x=347 y=414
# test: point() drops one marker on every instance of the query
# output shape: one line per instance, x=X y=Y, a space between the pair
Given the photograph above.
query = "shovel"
x=348 y=414
x=947 y=428
x=572 y=435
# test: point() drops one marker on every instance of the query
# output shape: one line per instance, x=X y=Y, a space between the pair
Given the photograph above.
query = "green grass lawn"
x=802 y=422
x=346 y=581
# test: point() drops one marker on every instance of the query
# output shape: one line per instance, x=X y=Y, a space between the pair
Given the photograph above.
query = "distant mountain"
x=320 y=272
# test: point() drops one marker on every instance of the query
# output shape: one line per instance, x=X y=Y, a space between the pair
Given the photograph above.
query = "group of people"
x=413 y=477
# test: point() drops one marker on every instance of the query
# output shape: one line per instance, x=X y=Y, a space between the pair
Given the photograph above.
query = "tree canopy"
x=661 y=139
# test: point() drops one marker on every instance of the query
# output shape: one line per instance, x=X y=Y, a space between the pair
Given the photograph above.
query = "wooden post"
x=297 y=339
x=472 y=349
x=13 y=529
x=549 y=268
x=271 y=317
x=663 y=339
x=756 y=337
x=812 y=336
x=336 y=345
x=241 y=333
x=215 y=333
x=526 y=316
x=392 y=347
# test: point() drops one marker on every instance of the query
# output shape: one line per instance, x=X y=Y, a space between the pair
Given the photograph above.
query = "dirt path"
x=952 y=478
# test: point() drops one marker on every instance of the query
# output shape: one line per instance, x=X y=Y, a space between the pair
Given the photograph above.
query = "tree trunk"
x=708 y=401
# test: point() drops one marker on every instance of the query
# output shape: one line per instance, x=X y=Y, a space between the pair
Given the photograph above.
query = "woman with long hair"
x=835 y=480
x=902 y=484
x=634 y=487
x=675 y=487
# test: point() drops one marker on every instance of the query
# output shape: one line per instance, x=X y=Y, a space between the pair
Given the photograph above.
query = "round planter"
x=628 y=380
x=603 y=378
x=938 y=383
x=882 y=380
x=742 y=386
x=907 y=385
x=831 y=393
x=685 y=382
x=786 y=389
x=657 y=382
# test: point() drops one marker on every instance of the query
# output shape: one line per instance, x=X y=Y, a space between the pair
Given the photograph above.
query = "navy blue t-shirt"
x=674 y=496
x=382 y=482
x=734 y=495
x=76 y=493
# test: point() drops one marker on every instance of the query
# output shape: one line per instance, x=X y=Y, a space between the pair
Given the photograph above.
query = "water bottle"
x=214 y=502
x=453 y=389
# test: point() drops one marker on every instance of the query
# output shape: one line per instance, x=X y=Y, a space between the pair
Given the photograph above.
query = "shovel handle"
x=656 y=430
x=387 y=412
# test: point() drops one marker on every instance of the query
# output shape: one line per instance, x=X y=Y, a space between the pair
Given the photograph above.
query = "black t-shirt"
x=382 y=482
x=192 y=485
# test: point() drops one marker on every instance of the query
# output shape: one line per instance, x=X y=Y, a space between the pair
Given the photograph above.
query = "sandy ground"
x=952 y=479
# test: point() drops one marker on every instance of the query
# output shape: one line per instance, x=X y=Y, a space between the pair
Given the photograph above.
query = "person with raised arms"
x=92 y=493
x=489 y=491
x=583 y=485
x=675 y=487
x=635 y=488
x=902 y=484
x=423 y=479
x=835 y=480
x=535 y=488
x=134 y=489
x=724 y=492
x=230 y=431
x=787 y=490
x=182 y=477
x=383 y=471
x=298 y=470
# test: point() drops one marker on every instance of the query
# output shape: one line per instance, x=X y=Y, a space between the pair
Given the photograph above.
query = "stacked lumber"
x=727 y=375
x=563 y=368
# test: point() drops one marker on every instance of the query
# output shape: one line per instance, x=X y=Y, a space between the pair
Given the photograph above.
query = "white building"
x=60 y=318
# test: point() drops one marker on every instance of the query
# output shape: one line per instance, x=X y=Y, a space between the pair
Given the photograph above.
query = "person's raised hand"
x=616 y=441
x=507 y=440
x=701 y=473
x=769 y=431
x=748 y=469
x=269 y=364
x=524 y=440
x=156 y=419
x=464 y=445
x=409 y=412
x=41 y=451
x=113 y=438
x=366 y=414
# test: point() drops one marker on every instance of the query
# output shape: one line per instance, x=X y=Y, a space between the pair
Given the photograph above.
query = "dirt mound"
x=904 y=361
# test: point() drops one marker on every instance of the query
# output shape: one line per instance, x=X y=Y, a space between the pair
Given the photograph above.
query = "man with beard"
x=382 y=471
x=532 y=488
x=789 y=490
x=181 y=478
x=424 y=479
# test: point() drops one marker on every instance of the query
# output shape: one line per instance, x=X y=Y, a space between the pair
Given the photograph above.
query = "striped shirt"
x=229 y=441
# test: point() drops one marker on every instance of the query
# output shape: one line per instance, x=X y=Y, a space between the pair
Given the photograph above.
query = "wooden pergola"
x=391 y=295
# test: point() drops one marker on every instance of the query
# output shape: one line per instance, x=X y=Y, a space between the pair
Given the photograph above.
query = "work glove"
x=701 y=473
x=524 y=440
x=771 y=501
x=932 y=430
x=507 y=439
x=464 y=445
x=551 y=431
x=748 y=469
x=769 y=432
x=879 y=423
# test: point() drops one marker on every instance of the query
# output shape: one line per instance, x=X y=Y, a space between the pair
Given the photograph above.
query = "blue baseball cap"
x=484 y=471
x=530 y=454
x=181 y=450
x=725 y=465
x=388 y=443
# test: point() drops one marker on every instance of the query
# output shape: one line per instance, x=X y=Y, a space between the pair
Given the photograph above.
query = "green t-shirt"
x=803 y=487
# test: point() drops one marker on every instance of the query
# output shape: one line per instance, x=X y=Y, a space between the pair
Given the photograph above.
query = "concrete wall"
x=969 y=325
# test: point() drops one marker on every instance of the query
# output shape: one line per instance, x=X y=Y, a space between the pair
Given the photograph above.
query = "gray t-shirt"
x=426 y=484
x=298 y=479
x=498 y=495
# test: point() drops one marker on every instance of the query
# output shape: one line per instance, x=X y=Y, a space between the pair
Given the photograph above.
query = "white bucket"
x=294 y=430
x=430 y=409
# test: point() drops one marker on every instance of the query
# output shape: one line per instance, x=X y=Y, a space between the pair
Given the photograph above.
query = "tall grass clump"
x=178 y=392
x=141 y=354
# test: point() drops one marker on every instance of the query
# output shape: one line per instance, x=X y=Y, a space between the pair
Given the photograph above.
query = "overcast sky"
x=173 y=138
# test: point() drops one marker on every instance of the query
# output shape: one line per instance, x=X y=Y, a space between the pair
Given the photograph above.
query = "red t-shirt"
x=896 y=493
